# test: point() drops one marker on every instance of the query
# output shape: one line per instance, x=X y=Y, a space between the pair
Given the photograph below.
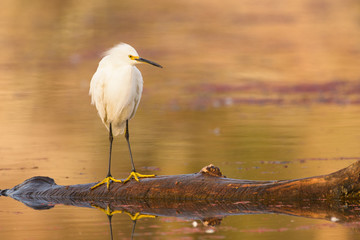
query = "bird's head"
x=126 y=54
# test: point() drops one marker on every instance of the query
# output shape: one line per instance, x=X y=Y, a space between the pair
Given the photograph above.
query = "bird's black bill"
x=148 y=61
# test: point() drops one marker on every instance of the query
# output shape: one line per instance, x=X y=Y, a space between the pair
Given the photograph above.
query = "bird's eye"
x=131 y=57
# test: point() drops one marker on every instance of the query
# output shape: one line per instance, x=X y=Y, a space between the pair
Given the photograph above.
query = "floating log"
x=208 y=184
x=206 y=195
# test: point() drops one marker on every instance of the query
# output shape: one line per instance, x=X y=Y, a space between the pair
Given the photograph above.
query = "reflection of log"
x=208 y=184
x=207 y=195
x=206 y=211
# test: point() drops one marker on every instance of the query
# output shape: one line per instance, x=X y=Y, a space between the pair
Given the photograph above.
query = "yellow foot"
x=107 y=180
x=108 y=211
x=138 y=216
x=136 y=176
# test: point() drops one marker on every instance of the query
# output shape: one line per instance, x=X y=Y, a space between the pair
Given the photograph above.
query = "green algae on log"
x=208 y=184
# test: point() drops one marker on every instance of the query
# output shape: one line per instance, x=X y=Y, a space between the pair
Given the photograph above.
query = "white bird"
x=115 y=90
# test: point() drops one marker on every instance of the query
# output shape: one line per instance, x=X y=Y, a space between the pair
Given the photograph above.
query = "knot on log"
x=211 y=170
x=212 y=222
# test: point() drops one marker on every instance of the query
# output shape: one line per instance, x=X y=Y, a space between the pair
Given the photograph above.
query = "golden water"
x=261 y=89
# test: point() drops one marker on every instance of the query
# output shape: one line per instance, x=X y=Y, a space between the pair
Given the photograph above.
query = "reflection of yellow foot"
x=136 y=176
x=138 y=216
x=108 y=211
x=107 y=180
x=134 y=217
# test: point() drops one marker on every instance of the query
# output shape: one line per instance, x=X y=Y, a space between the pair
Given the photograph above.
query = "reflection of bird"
x=115 y=90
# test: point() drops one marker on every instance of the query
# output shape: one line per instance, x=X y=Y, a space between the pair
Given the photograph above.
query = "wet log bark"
x=208 y=184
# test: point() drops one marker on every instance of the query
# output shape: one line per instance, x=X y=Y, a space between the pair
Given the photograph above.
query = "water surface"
x=263 y=90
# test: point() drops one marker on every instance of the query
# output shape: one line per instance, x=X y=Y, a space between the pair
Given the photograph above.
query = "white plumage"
x=116 y=87
x=115 y=90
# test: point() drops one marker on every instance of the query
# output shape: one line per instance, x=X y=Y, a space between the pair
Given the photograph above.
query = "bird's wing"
x=138 y=90
x=96 y=92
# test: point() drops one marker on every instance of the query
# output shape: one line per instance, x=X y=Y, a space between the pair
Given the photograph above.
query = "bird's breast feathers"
x=116 y=92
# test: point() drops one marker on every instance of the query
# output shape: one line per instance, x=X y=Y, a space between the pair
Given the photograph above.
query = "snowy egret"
x=115 y=90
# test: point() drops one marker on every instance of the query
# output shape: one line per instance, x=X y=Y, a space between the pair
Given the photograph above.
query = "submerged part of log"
x=210 y=213
x=208 y=184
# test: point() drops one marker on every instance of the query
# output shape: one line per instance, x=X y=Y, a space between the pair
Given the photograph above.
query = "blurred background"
x=262 y=89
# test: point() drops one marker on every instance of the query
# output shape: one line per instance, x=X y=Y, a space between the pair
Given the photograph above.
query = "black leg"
x=111 y=232
x=127 y=139
x=111 y=140
x=133 y=230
